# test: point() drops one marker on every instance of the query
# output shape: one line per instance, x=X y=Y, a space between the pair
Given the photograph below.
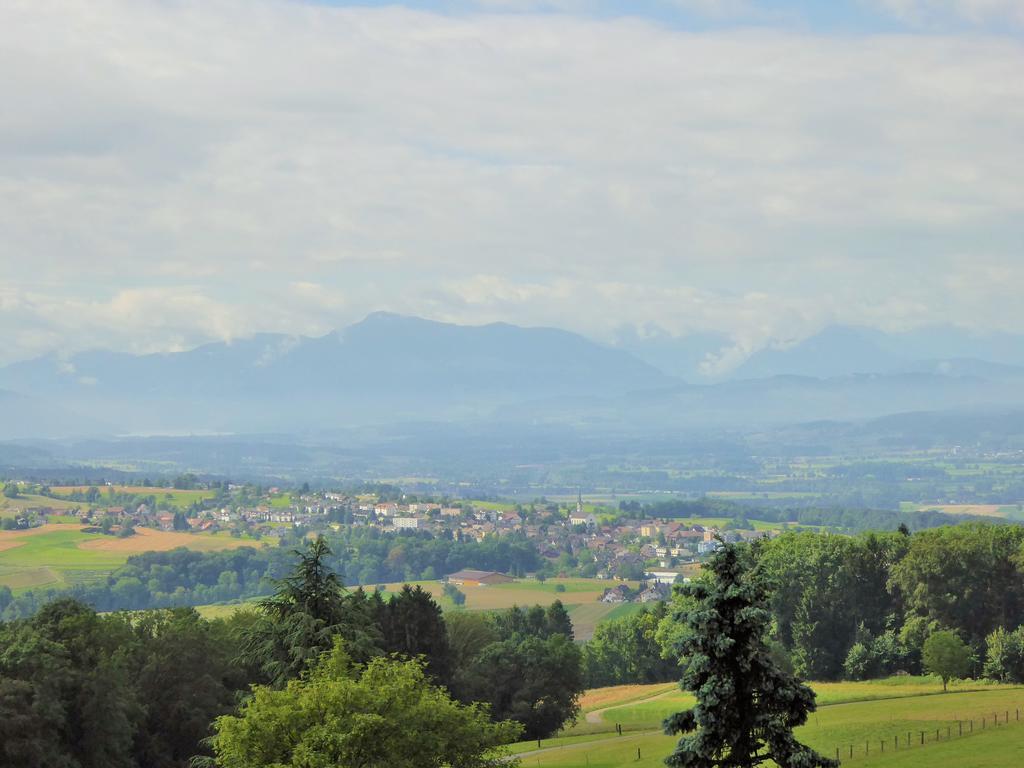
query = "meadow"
x=882 y=721
x=14 y=507
x=179 y=499
x=580 y=599
x=59 y=555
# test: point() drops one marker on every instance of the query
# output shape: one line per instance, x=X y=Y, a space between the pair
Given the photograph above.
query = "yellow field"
x=984 y=510
x=521 y=592
x=31 y=501
x=149 y=540
x=616 y=695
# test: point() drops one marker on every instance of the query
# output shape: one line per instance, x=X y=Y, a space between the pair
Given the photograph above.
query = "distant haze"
x=714 y=179
x=391 y=369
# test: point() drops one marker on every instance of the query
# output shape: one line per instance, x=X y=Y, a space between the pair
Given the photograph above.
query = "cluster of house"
x=616 y=549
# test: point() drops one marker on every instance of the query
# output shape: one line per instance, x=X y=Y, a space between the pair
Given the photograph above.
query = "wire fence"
x=613 y=752
x=917 y=738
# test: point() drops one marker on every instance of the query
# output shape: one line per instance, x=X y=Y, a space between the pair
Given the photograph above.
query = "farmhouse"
x=471 y=578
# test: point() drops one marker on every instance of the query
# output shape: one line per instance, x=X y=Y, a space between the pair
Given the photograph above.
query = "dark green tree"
x=298 y=623
x=411 y=625
x=184 y=678
x=747 y=706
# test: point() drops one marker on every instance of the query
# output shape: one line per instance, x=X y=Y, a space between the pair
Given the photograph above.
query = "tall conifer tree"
x=747 y=706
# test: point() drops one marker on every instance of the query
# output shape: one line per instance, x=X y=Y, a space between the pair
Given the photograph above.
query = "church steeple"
x=579 y=501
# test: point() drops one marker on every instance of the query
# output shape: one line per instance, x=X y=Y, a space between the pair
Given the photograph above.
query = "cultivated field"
x=580 y=599
x=864 y=716
x=13 y=507
x=1009 y=511
x=60 y=555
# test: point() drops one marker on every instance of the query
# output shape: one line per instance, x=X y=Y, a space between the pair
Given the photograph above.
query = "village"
x=571 y=538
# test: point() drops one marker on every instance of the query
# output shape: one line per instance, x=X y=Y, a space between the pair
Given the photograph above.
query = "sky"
x=179 y=171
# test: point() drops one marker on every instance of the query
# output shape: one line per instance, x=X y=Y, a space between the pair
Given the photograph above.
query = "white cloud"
x=974 y=11
x=175 y=172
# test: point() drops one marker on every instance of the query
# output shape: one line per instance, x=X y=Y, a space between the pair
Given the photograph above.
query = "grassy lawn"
x=863 y=722
x=650 y=713
x=224 y=610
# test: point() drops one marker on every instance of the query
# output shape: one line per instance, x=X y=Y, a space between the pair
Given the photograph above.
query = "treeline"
x=840 y=519
x=361 y=555
x=78 y=688
x=857 y=607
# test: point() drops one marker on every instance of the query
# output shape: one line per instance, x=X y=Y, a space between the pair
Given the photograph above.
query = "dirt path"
x=595 y=715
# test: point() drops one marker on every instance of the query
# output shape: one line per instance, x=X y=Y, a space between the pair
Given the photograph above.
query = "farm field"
x=858 y=715
x=1006 y=511
x=519 y=592
x=61 y=555
x=12 y=507
x=179 y=499
x=579 y=598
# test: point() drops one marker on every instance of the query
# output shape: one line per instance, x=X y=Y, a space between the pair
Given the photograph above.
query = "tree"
x=964 y=577
x=65 y=692
x=530 y=670
x=411 y=625
x=627 y=650
x=1004 y=660
x=300 y=620
x=747 y=706
x=946 y=655
x=184 y=678
x=535 y=681
x=389 y=716
x=456 y=595
x=11 y=490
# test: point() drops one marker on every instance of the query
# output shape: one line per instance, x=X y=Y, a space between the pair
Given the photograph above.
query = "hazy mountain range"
x=391 y=369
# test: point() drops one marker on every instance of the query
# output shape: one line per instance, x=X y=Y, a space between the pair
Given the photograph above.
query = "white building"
x=406 y=523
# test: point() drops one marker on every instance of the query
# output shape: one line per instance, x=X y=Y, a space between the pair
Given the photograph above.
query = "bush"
x=1004 y=660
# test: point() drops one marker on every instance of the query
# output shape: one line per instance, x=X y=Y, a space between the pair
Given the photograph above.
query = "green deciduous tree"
x=1005 y=657
x=747 y=706
x=386 y=716
x=965 y=577
x=627 y=650
x=946 y=655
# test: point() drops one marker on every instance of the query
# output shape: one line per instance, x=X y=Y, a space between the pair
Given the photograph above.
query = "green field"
x=179 y=499
x=863 y=716
x=13 y=507
x=580 y=599
x=54 y=558
x=59 y=555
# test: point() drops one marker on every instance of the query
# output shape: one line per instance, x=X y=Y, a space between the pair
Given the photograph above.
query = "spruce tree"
x=747 y=706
